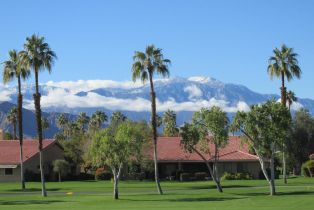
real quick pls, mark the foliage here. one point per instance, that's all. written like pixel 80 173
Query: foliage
pixel 236 176
pixel 61 166
pixel 170 124
pixel 12 119
pixel 264 128
pixel 308 168
pixel 96 121
pixel 300 143
pixel 102 174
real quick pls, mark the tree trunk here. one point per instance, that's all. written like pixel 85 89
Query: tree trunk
pixel 283 90
pixel 20 121
pixel 116 177
pixel 40 135
pixel 219 188
pixel 272 171
pixel 154 127
pixel 284 167
pixel 59 176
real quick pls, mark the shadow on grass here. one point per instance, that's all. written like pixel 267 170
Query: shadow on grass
pixel 34 190
pixel 277 194
pixel 187 199
pixel 29 202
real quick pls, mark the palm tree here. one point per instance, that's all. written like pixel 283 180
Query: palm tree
pixel 170 125
pixel 38 56
pixel 145 65
pixel 291 98
pixel 44 125
pixel 117 117
pixel 284 65
pixel 12 118
pixel 15 69
pixel 96 121
pixel 82 120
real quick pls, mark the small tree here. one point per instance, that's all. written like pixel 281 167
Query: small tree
pixel 208 126
pixel 264 128
pixel 61 167
pixel 116 145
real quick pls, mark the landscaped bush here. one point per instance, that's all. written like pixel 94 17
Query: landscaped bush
pixel 102 174
pixel 236 176
pixel 185 177
pixel 200 176
pixel 308 168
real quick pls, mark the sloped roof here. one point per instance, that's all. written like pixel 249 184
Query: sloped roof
pixel 10 150
pixel 169 149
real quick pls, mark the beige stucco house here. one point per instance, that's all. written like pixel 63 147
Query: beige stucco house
pixel 10 159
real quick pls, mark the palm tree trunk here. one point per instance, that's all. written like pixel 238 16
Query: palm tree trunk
pixel 283 102
pixel 154 127
pixel 40 135
pixel 20 119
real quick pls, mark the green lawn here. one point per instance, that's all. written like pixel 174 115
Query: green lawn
pixel 298 194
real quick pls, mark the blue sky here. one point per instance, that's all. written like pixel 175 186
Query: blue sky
pixel 228 40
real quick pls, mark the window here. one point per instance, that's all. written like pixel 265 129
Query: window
pixel 8 171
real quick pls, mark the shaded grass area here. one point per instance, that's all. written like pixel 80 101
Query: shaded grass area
pixel 246 194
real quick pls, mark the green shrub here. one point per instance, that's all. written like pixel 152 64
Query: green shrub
pixel 236 176
pixel 200 176
pixel 185 177
pixel 308 168
pixel 102 174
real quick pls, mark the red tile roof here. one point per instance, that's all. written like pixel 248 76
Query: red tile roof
pixel 169 149
pixel 10 150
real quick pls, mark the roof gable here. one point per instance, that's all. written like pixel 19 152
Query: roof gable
pixel 10 150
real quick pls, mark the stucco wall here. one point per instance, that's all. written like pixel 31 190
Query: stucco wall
pixel 50 154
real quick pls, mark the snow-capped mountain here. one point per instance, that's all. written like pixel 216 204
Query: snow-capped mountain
pixel 183 95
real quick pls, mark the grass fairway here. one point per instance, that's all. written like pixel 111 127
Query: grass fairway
pixel 242 195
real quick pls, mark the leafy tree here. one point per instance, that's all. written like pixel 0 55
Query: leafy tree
pixel 82 120
pixel 301 140
pixel 12 118
pixel 38 56
pixel 170 125
pixel 291 98
pixel 116 146
pixel 208 126
pixel 61 167
pixel 14 68
pixel 73 151
pixel 264 128
pixel 145 65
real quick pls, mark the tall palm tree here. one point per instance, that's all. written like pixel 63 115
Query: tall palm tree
pixel 291 98
pixel 38 56
pixel 170 126
pixel 82 120
pixel 12 118
pixel 145 65
pixel 96 121
pixel 284 64
pixel 14 68
pixel 117 117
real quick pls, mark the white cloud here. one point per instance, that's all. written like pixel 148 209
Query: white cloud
pixel 193 91
pixel 58 97
pixel 87 85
